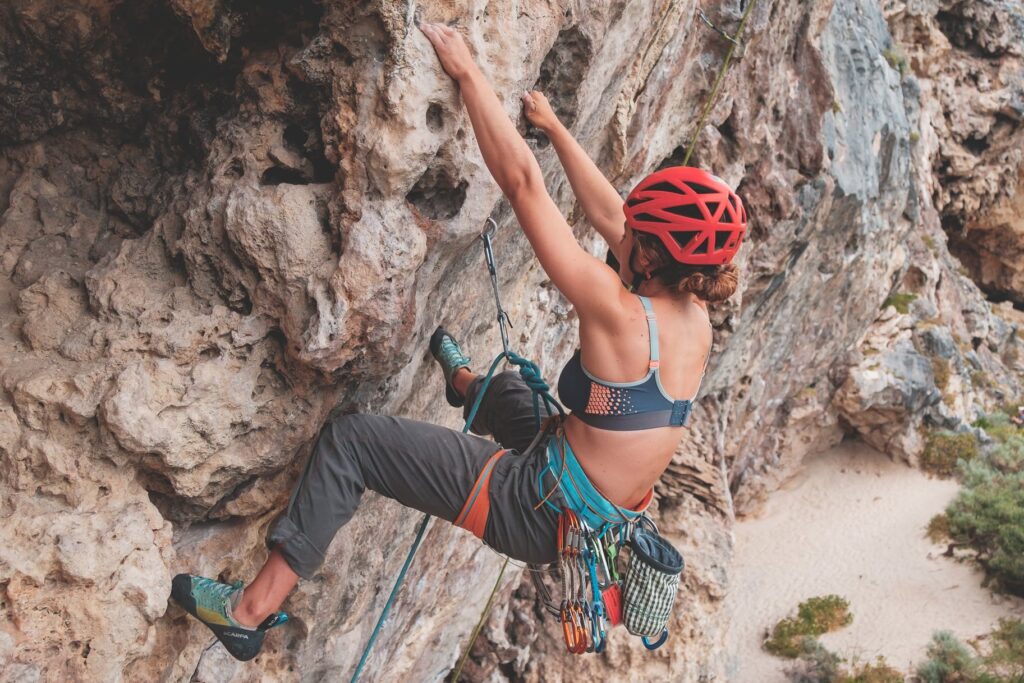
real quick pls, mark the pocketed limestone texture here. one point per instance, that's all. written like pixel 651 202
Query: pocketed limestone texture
pixel 222 221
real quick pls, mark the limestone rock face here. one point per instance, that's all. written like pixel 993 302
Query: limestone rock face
pixel 220 222
pixel 969 60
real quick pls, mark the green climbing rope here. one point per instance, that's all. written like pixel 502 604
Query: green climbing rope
pixel 479 624
pixel 709 103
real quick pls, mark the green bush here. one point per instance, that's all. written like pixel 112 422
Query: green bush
pixel 1007 656
pixel 878 671
pixel 1008 456
pixel 949 661
pixel 900 301
pixel 897 59
pixel 942 451
pixel 938 529
pixel 814 616
pixel 816 664
pixel 941 371
pixel 988 515
pixel 998 426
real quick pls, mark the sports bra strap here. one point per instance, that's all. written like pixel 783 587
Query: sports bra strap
pixel 652 332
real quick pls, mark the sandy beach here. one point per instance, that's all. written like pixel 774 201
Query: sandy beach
pixel 852 523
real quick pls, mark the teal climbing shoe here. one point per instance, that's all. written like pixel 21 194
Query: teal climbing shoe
pixel 208 600
pixel 449 356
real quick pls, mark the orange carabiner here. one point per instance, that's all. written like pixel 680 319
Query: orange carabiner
pixel 570 630
pixel 579 629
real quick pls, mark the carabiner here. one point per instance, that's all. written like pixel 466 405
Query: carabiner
pixel 570 632
pixel 661 641
pixel 582 633
pixel 503 318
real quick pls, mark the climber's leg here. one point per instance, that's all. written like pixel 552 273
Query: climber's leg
pixel 267 591
pixel 506 410
pixel 420 465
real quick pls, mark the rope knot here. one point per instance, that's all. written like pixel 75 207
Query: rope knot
pixel 530 373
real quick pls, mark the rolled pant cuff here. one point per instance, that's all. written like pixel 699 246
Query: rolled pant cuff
pixel 298 551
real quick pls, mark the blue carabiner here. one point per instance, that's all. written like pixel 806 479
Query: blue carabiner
pixel 659 643
pixel 599 636
pixel 597 629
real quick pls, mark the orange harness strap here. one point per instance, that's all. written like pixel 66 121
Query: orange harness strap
pixel 477 507
pixel 645 503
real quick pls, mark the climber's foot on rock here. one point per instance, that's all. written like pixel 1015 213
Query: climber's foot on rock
pixel 211 602
pixel 449 356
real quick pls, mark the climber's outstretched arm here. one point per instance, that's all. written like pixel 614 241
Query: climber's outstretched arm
pixel 592 287
pixel 600 201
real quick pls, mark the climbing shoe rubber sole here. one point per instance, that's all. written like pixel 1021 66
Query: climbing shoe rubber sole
pixel 455 400
pixel 241 643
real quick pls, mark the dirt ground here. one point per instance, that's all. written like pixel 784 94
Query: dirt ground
pixel 852 523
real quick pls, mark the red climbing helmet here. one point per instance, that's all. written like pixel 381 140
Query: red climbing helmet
pixel 699 219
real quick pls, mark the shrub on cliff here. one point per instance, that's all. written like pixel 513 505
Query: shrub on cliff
pixel 814 617
pixel 942 451
pixel 997 426
pixel 900 301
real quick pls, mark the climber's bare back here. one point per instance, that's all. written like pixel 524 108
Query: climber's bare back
pixel 625 464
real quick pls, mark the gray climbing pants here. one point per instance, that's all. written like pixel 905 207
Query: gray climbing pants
pixel 462 478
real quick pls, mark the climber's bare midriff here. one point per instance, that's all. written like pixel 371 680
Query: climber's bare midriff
pixel 624 465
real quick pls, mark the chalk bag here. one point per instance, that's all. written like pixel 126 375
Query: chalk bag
pixel 652 581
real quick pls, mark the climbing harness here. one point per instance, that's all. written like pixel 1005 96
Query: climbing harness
pixel 734 42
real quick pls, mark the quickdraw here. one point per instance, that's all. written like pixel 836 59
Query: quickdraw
pixel 590 584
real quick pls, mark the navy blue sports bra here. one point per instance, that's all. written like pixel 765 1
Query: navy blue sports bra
pixel 624 406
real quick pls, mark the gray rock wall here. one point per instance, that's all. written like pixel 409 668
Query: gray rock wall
pixel 220 222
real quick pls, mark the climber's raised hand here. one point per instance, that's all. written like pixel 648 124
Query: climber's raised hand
pixel 538 110
pixel 451 49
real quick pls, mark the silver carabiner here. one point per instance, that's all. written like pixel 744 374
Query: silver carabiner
pixel 503 318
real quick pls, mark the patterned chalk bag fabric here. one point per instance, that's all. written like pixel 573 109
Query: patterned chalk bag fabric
pixel 652 581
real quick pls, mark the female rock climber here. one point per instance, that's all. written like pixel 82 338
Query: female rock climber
pixel 674 239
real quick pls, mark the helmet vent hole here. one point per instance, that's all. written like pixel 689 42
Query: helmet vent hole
pixel 712 208
pixel 633 202
pixel 722 238
pixel 664 187
pixel 687 211
pixel 701 248
pixel 648 218
pixel 701 189
pixel 684 237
